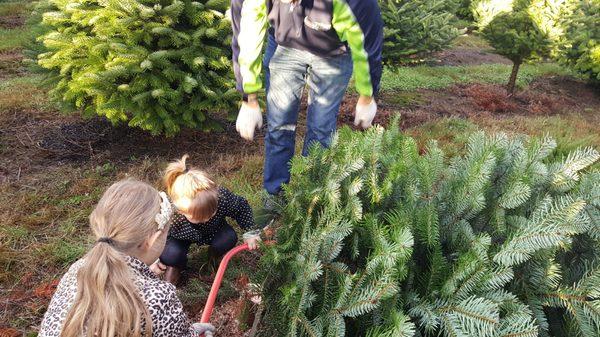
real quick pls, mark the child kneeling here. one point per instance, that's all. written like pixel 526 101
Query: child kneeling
pixel 202 208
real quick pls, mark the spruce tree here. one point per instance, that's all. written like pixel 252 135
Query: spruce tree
pixel 157 65
pixel 414 28
pixel 580 44
pixel 484 11
pixel 380 238
pixel 517 37
pixel 465 10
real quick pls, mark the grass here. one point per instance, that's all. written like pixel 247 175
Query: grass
pixel 403 98
pixel 43 229
pixel 23 93
pixel 428 77
pixel 10 8
pixel 451 134
pixel 247 180
pixel 569 131
pixel 470 41
pixel 13 38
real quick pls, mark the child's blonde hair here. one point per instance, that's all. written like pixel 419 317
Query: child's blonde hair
pixel 108 303
pixel 191 190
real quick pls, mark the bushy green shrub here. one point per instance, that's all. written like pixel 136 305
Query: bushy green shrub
pixel 414 28
pixel 517 37
pixel 580 47
pixel 157 65
pixel 381 238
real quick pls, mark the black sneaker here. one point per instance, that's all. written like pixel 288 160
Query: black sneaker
pixel 272 208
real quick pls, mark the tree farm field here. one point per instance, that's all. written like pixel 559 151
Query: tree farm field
pixel 55 166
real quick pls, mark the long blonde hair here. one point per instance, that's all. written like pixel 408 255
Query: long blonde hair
pixel 191 190
pixel 108 304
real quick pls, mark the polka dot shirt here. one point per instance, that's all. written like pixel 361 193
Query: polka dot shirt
pixel 229 205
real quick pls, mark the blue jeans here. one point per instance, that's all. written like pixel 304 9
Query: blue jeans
pixel 269 52
pixel 289 71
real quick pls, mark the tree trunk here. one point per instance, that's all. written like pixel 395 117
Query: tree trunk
pixel 513 78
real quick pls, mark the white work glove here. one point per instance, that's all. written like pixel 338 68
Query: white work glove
pixel 203 328
pixel 365 113
pixel 252 238
pixel 249 119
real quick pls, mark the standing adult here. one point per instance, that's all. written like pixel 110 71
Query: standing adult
pixel 314 43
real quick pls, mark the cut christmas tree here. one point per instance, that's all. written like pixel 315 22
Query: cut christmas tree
pixel 381 238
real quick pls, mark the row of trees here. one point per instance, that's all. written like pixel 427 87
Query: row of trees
pixel 565 30
pixel 380 240
pixel 163 65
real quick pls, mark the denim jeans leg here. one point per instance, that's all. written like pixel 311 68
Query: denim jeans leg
pixel 269 52
pixel 328 81
pixel 288 68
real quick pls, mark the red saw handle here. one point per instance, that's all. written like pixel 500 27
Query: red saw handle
pixel 214 290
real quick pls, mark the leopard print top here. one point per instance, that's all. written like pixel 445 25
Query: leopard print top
pixel 168 317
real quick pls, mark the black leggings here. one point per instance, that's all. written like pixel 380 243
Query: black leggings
pixel 176 251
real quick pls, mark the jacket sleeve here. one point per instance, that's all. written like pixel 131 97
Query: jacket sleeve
pixel 359 23
pixel 237 208
pixel 249 23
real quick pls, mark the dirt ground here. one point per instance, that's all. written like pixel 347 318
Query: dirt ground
pixel 12 21
pixel 10 64
pixel 546 96
pixel 35 140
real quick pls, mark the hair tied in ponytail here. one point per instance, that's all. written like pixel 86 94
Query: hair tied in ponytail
pixel 106 240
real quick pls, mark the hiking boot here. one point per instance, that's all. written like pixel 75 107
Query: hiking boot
pixel 172 275
pixel 273 205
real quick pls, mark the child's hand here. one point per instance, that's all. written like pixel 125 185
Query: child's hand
pixel 158 268
pixel 252 238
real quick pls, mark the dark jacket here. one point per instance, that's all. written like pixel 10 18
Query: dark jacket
pixel 229 206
